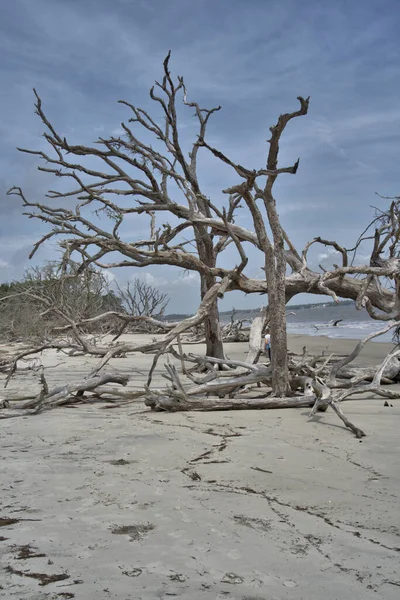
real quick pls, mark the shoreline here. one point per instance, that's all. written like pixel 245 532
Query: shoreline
pixel 344 333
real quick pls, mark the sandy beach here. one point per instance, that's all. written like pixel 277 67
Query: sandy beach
pixel 127 504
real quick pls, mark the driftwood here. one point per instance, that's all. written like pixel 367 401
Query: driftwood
pixel 65 394
pixel 236 330
pixel 332 323
pixel 312 375
pixel 176 402
pixel 316 381
pixel 177 398
pixel 255 339
pixel 356 351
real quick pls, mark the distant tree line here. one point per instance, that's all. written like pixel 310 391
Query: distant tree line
pixel 56 294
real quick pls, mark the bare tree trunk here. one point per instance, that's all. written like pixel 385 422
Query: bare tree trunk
pixel 279 357
pixel 277 314
pixel 276 271
pixel 275 259
pixel 214 345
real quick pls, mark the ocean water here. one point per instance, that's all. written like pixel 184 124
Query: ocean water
pixel 318 320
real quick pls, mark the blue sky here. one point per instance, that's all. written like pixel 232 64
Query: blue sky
pixel 254 57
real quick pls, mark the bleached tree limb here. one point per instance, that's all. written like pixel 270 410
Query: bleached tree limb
pixel 49 398
pixel 357 349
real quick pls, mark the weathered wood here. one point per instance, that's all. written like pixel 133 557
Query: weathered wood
pixel 375 385
pixel 359 432
pixel 175 402
pixel 357 349
pixel 315 393
pixel 49 398
pixel 255 339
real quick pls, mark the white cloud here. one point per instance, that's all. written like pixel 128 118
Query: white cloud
pixel 149 279
pixel 178 279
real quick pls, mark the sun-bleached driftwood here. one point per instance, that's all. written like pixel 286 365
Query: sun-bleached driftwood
pixel 357 349
pixel 50 398
pixel 176 397
pixel 235 330
pixel 310 374
pixel 175 402
pixel 235 389
pixel 375 385
pixel 126 319
pixel 255 338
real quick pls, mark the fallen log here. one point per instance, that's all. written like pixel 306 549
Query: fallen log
pixel 177 398
pixel 175 401
pixel 49 398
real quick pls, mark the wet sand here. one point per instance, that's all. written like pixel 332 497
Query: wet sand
pixel 127 504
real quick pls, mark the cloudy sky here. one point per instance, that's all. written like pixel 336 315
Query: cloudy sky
pixel 254 57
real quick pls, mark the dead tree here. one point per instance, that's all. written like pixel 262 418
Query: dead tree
pixel 142 299
pixel 150 177
pixel 136 178
pixel 273 249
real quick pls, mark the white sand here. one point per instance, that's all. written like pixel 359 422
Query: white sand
pixel 319 520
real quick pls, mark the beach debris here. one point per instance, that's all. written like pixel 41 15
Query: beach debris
pixel 290 584
pixel 135 532
pixel 319 382
pixel 177 577
pixel 232 578
pixel 135 572
pixel 194 476
pixel 43 578
pixel 332 323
